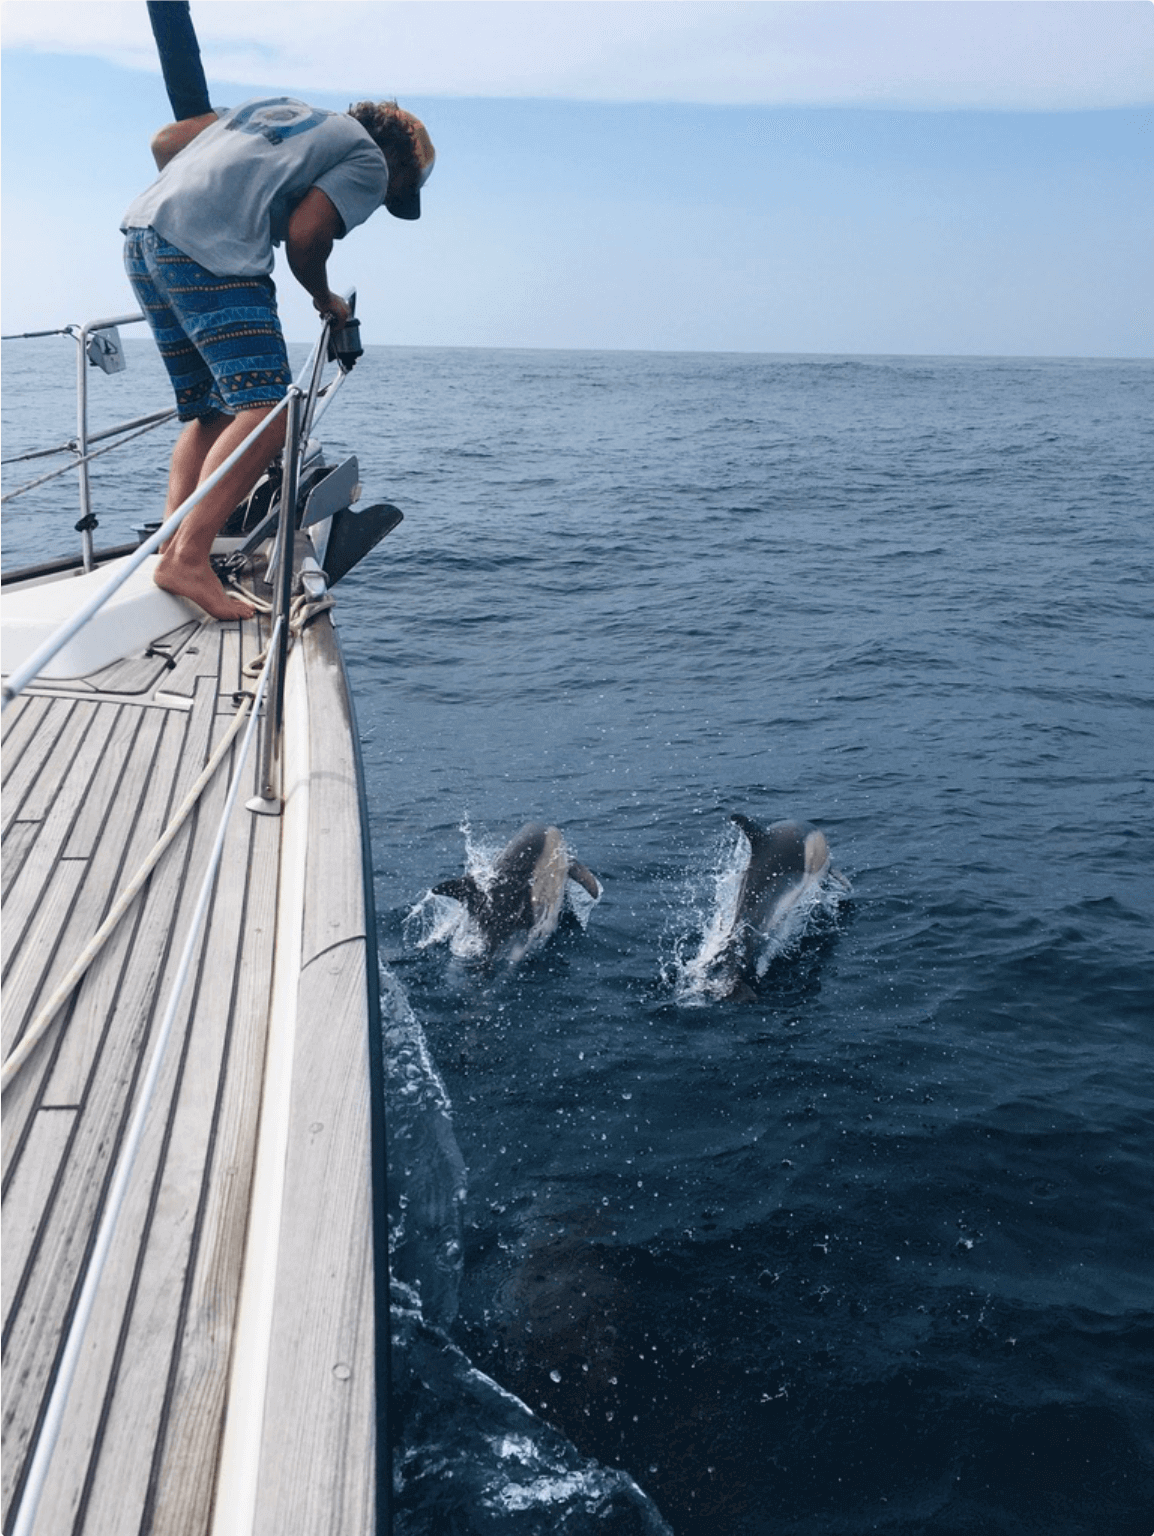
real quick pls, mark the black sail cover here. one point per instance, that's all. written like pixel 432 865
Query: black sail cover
pixel 179 58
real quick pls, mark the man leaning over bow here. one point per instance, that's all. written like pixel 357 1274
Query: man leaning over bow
pixel 199 251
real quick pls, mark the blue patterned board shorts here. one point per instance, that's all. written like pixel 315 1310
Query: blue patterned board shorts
pixel 220 337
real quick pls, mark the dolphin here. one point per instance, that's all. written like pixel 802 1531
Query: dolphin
pixel 521 905
pixel 787 860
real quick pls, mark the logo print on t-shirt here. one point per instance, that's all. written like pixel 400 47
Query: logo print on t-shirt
pixel 276 119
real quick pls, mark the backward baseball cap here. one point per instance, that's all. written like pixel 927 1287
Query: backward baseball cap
pixel 406 204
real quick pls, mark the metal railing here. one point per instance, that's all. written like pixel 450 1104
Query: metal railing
pixel 280 575
pixel 310 392
pixel 98 343
pixel 56 642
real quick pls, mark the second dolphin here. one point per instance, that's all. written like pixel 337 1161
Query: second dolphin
pixel 785 874
pixel 521 904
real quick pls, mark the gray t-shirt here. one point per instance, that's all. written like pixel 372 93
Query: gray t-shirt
pixel 225 199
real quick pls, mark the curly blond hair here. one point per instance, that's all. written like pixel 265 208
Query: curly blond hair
pixel 393 132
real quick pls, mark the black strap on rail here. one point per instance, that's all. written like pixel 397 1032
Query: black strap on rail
pixel 179 58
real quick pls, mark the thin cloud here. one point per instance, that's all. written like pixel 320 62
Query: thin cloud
pixel 1008 54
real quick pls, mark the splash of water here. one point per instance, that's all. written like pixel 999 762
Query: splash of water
pixel 443 920
pixel 698 972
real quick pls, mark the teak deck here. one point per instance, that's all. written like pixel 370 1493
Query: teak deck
pixel 226 1382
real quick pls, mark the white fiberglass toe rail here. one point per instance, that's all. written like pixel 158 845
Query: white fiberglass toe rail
pixel 308 387
pixel 22 676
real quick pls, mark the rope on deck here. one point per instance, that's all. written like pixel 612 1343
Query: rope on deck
pixel 303 611
pixel 66 1369
pixel 39 1026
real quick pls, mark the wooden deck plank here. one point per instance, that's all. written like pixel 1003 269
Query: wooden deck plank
pixel 22 1205
pixel 134 674
pixel 10 717
pixel 53 1270
pixel 58 725
pixel 185 749
pixel 118 1400
pixel 253 641
pixel 119 856
pixel 51 1084
pixel 231 641
pixel 23 981
pixel 318 1459
pixel 46 957
pixel 199 658
pixel 88 721
pixel 56 800
pixel 56 1262
pixel 110 793
pixel 69 1047
pixel 186 1466
pixel 143 1425
pixel 141 673
pixel 202 724
pixel 18 838
pixel 21 721
pixel 159 905
pixel 22 1097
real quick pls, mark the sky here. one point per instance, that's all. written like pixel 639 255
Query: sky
pixel 827 176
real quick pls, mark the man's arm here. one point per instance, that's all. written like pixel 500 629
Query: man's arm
pixel 168 142
pixel 312 227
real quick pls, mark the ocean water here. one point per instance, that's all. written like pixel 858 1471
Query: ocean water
pixel 872 1249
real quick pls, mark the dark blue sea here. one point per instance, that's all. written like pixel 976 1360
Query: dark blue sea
pixel 870 1250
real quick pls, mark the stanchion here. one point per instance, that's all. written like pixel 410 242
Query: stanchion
pixel 269 801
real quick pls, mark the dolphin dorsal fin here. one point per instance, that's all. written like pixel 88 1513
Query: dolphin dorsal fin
pixel 751 829
pixel 786 846
pixel 586 878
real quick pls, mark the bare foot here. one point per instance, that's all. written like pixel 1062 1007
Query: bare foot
pixel 200 583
